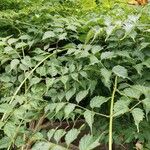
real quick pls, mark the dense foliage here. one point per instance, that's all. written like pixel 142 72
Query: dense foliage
pixel 67 61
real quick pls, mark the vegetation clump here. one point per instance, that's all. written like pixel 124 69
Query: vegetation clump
pixel 74 75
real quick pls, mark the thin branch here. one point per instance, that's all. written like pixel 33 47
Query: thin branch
pixel 135 105
pixel 99 114
pixel 111 114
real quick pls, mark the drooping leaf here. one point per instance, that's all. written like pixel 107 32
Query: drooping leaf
pixel 8 49
pixel 59 107
pixel 88 142
pixel 123 54
pixel 138 116
pixel 92 86
pixel 37 136
pixel 106 74
pixel 71 136
pixel 81 95
pixel 146 104
pixel 89 118
pixel 70 93
pixel 74 76
pixel 64 79
pixel 96 49
pixel 146 62
pixel 93 60
pixel 72 68
pixel 12 41
pixel 5 108
pixel 142 89
pixel 50 134
pixel 48 34
pixel 14 63
pixel 59 134
pixel 89 36
pixel 139 68
pixel 84 74
pixel 20 45
pixel 62 36
pixel 61 95
pixel 121 106
pixel 19 141
pixel 4 142
pixel 143 45
pixel 120 71
pixel 49 82
pixel 41 145
pixel 68 109
pixel 19 113
pixel 131 92
pixel 97 101
pixel 41 71
pixel 10 129
pixel 107 55
pixel 34 81
pixel 129 24
pixel 53 71
pixel 27 61
pixel 109 31
pixel 50 108
pixel 84 54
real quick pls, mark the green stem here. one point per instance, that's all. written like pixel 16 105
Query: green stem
pixel 111 115
pixel 99 114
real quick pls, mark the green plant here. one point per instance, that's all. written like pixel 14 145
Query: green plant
pixel 63 65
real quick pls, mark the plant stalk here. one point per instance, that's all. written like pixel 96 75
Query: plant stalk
pixel 111 115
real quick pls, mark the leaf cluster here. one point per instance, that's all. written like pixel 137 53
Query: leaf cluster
pixel 59 64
